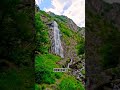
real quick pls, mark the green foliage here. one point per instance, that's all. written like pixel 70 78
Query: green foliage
pixel 45 62
pixel 109 37
pixel 81 46
pixel 16 33
pixel 39 87
pixel 65 30
pixel 44 13
pixel 83 72
pixel 110 56
pixel 42 36
pixel 36 87
pixel 16 46
pixel 44 65
pixel 13 83
pixel 111 45
pixel 14 79
pixel 60 18
pixel 69 83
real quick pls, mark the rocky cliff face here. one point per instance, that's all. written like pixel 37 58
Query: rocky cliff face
pixel 69 21
pixel 55 37
pixel 100 35
pixel 72 25
pixel 110 12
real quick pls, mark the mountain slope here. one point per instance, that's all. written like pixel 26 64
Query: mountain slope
pixel 71 41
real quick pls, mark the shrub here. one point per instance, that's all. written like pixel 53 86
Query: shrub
pixel 42 36
pixel 69 83
pixel 81 47
pixel 44 65
pixel 65 30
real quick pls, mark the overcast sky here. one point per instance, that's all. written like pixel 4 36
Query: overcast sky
pixel 74 9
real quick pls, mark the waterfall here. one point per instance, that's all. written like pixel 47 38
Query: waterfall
pixel 58 49
pixel 55 35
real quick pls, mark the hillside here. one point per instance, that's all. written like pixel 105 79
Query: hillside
pixel 60 43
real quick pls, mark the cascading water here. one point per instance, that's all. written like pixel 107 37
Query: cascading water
pixel 58 49
pixel 55 35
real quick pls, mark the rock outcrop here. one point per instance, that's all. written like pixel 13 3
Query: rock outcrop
pixel 69 21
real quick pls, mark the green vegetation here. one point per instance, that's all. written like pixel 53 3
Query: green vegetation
pixel 12 76
pixel 111 45
pixel 45 61
pixel 69 83
pixel 81 46
pixel 83 72
pixel 109 36
pixel 16 46
pixel 44 65
pixel 65 30
pixel 42 37
pixel 39 87
pixel 60 18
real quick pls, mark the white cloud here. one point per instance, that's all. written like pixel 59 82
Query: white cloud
pixel 38 2
pixel 77 12
pixel 58 6
pixel 74 9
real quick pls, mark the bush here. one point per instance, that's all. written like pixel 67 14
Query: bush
pixel 65 30
pixel 69 83
pixel 39 87
pixel 81 47
pixel 44 65
pixel 42 36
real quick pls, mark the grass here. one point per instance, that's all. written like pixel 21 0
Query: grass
pixel 65 30
pixel 70 83
pixel 44 65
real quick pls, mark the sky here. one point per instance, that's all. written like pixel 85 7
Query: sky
pixel 74 9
